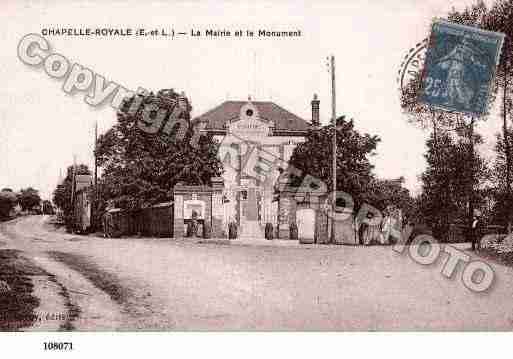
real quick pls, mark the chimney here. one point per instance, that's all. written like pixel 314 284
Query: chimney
pixel 182 101
pixel 315 111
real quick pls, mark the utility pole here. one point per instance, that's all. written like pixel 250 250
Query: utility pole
pixel 255 75
pixel 73 181
pixel 94 215
pixel 472 179
pixel 334 123
pixel 507 147
pixel 73 189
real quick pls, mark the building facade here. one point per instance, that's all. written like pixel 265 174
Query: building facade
pixel 256 137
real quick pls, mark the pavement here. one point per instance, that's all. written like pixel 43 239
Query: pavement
pixel 166 284
pixel 254 242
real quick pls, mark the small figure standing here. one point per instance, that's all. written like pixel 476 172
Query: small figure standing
pixel 194 224
pixel 476 232
pixel 360 229
pixel 107 221
pixel 386 225
pixel 106 224
pixel 370 232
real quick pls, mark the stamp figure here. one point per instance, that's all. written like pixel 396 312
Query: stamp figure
pixel 460 66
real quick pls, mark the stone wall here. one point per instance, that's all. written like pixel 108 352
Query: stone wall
pixel 293 199
pixel 206 200
pixel 290 201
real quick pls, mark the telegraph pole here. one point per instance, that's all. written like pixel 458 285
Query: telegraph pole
pixel 334 123
pixel 94 216
pixel 472 180
pixel 73 180
pixel 73 189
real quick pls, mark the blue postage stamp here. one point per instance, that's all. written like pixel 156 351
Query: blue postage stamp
pixel 460 67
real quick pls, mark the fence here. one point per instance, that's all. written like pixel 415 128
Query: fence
pixel 458 232
pixel 156 221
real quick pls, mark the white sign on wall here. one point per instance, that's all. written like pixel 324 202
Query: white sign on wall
pixel 193 205
pixel 249 128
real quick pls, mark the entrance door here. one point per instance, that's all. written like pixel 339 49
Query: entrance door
pixel 249 223
pixel 250 205
pixel 306 224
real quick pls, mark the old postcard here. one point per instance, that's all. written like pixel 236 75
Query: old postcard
pixel 340 166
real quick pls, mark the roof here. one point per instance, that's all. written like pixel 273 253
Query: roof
pixel 228 111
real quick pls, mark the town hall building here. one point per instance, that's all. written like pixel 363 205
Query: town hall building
pixel 251 134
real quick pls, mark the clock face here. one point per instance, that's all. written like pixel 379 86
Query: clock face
pixel 248 110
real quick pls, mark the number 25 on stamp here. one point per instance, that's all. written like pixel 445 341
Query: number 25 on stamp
pixel 460 65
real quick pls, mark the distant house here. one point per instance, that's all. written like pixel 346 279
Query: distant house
pixel 82 203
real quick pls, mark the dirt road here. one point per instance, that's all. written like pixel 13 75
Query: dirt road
pixel 166 284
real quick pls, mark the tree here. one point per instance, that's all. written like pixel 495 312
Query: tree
pixel 439 121
pixel 141 168
pixel 501 211
pixel 474 15
pixel 8 200
pixel 436 179
pixel 382 193
pixel 354 170
pixel 445 182
pixel 48 207
pixel 29 198
pixel 498 18
pixel 427 117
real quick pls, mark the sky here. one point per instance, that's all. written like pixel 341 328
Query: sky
pixel 42 127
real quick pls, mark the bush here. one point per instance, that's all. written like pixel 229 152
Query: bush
pixel 7 202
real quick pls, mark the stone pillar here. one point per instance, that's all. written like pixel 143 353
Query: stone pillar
pixel 292 210
pixel 217 215
pixel 206 198
pixel 217 208
pixel 344 228
pixel 178 223
pixel 321 227
pixel 284 217
pixel 267 206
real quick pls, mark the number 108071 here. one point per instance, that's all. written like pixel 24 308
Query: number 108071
pixel 58 346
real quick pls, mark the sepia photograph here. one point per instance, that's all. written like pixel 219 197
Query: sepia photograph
pixel 268 168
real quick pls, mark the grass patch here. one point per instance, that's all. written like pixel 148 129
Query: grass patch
pixel 17 304
pixel 73 310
